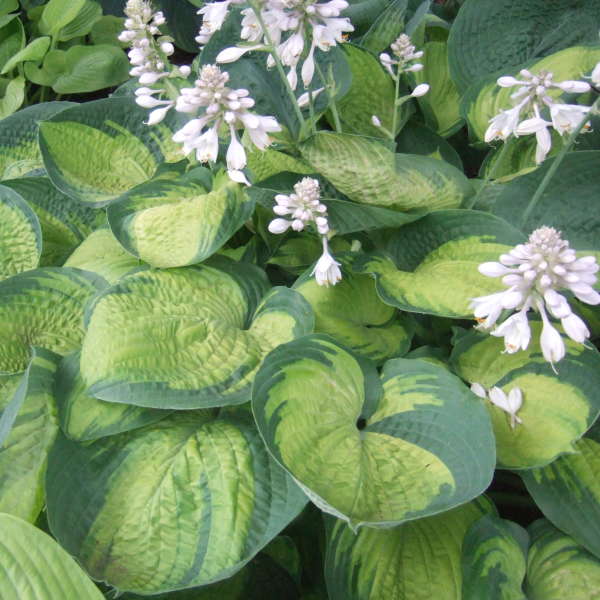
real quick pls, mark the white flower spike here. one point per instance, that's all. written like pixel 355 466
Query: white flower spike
pixel 534 273
pixel 224 107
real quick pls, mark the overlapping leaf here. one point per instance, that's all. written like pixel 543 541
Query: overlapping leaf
pixel 42 307
pixel 96 151
pixel 556 411
pixel 189 337
pixel 366 171
pixel 417 560
pixel 172 223
pixel 185 502
pixel 35 566
pixel 431 264
pixel 370 452
pixel 20 235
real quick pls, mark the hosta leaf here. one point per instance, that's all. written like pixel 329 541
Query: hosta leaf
pixel 569 203
pixel 568 493
pixel 441 104
pixel 64 221
pixel 83 417
pixel 558 567
pixel 556 411
pixel 24 451
pixel 366 171
pixel 20 235
pixel 352 313
pixel 421 446
pixel 266 163
pixel 386 28
pixel 371 93
pixel 417 561
pixel 187 338
pixel 96 151
pixel 494 560
pixel 486 99
pixel 101 253
pixel 201 489
pixel 19 149
pixel 172 223
pixel 42 307
pixel 431 264
pixel 489 35
pixel 35 567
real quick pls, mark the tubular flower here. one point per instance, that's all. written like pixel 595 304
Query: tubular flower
pixel 534 273
pixel 223 107
pixel 327 270
pixel 510 403
pixel 291 25
pixel 530 99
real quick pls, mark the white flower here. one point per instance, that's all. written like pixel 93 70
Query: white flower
pixel 304 99
pixel 213 17
pixel 567 117
pixel 302 207
pixel 420 90
pixel 534 273
pixel 510 404
pixel 479 390
pixel 530 99
pixel 327 270
pixel 222 106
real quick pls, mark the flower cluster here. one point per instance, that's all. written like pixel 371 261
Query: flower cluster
pixel 289 25
pixel 222 107
pixel 405 59
pixel 147 54
pixel 531 100
pixel 304 207
pixel 510 403
pixel 534 273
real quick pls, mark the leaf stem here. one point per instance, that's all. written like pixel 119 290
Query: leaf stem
pixel 555 164
pixel 332 105
pixel 471 202
pixel 278 64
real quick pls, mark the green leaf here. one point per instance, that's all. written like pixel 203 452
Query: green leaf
pixel 59 13
pixel 84 21
pixel 494 560
pixel 172 223
pixel 441 104
pixel 568 204
pixel 32 430
pixel 13 97
pixel 366 171
pixel 44 308
pixel 266 163
pixel 125 151
pixel 101 253
pixel 489 35
pixel 36 567
pixel 9 6
pixel 167 339
pixel 352 313
pixel 558 567
pixel 83 417
pixel 371 93
pixel 106 29
pixel 201 488
pixel 556 411
pixel 568 493
pixel 416 561
pixel 355 444
pixel 64 222
pixel 431 264
pixel 19 150
pixel 12 38
pixel 35 50
pixel 386 28
pixel 20 235
pixel 485 99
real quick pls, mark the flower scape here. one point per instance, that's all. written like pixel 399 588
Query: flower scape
pixel 299 300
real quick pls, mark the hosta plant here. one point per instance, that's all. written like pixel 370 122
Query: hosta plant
pixel 307 308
